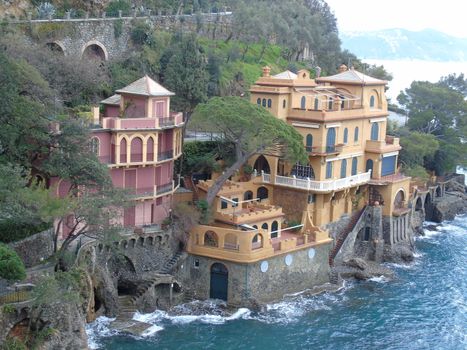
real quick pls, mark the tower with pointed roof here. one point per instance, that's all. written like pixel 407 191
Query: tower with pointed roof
pixel 139 138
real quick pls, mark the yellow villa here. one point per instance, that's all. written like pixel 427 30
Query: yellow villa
pixel 279 229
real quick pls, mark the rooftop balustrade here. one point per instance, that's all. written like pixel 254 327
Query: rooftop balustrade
pixel 248 246
pixel 175 119
pixel 390 144
pixel 248 213
pixel 319 186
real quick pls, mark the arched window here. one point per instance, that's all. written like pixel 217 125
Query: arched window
pixel 136 150
pixel 269 103
pixel 372 101
pixel 309 142
pixel 95 146
pixel 355 134
pixel 342 102
pixel 346 135
pixel 150 150
pixel 264 102
pixel 123 151
pixel 354 165
pixel 210 239
pixel 303 102
pixel 374 131
pixel 262 164
pixel 284 103
pixel 331 140
pixel 328 170
pixel 274 229
pixel 262 193
pixel 258 101
pixel 343 168
pixel 265 226
pixel 316 103
pixel 248 195
pixel 330 103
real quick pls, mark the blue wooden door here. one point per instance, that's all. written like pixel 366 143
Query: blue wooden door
pixel 331 140
pixel 219 282
pixel 389 166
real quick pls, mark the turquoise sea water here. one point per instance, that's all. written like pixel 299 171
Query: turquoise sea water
pixel 425 307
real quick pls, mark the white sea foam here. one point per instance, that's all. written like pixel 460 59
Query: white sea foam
pixel 99 329
pixel 380 279
pixel 151 331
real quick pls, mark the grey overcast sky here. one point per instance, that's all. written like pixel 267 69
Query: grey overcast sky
pixel 448 16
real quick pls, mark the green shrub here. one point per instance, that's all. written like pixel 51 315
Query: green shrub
pixel 140 33
pixel 13 344
pixel 11 231
pixel 11 266
pixel 118 5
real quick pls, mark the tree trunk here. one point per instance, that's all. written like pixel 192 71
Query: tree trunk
pixel 219 182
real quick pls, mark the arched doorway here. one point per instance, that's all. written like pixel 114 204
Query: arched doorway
pixel 438 191
pixel 219 282
pixel 303 171
pixel 274 229
pixel 399 200
pixel 56 48
pixel 94 51
pixel 262 164
pixel 331 140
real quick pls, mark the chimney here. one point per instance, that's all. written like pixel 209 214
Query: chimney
pixel 95 115
pixel 266 71
pixel 342 68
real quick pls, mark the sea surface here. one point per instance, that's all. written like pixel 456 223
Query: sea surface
pixel 424 307
pixel 406 71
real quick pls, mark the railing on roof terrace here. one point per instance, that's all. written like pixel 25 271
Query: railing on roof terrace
pixel 322 186
pixel 142 123
pixel 160 189
pixel 165 155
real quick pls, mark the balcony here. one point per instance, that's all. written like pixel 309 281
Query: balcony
pixel 227 243
pixel 390 144
pixel 324 150
pixel 175 119
pixel 249 213
pixel 161 189
pixel 161 156
pixel 151 192
pixel 327 116
pixel 320 186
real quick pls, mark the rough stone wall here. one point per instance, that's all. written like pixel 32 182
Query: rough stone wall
pixel 293 203
pixel 248 285
pixel 336 228
pixel 75 35
pixel 35 249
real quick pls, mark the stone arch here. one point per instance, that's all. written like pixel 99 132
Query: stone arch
pixel 132 243
pixel 123 150
pixel 124 244
pixel 141 241
pixel 211 239
pixel 150 144
pixel 419 204
pixel 428 207
pixel 159 239
pixel 231 241
pixel 438 191
pixel 94 50
pixel 262 193
pixel 150 240
pixel 274 229
pixel 56 47
pixel 262 164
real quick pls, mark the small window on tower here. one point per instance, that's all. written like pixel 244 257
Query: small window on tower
pixel 284 103
pixel 196 264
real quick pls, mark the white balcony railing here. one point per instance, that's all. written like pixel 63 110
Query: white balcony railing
pixel 319 186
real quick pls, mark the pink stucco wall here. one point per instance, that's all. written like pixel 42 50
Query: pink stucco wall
pixel 104 145
pixel 145 177
pixel 135 106
pixel 111 111
pixel 117 177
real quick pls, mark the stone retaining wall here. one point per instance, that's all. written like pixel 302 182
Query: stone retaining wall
pixel 35 249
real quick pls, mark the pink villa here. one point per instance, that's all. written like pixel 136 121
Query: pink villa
pixel 139 139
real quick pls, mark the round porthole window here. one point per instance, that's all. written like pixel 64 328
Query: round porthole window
pixel 311 253
pixel 264 266
pixel 288 259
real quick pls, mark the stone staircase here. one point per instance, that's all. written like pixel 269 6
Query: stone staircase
pixel 343 236
pixel 169 265
pixel 188 295
pixel 124 321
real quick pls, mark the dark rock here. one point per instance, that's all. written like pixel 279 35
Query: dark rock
pixel 357 263
pixel 449 206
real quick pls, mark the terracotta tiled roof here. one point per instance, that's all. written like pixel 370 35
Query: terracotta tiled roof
pixel 286 75
pixel 352 76
pixel 146 87
pixel 112 100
